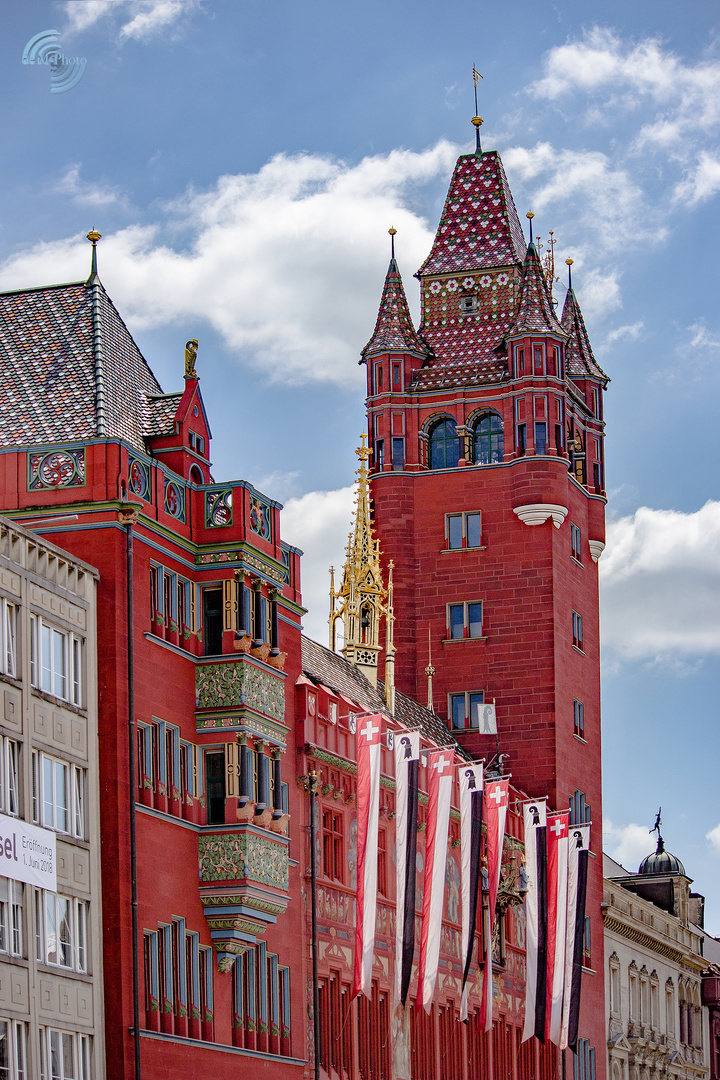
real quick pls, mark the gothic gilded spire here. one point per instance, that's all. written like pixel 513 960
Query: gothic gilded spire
pixel 362 599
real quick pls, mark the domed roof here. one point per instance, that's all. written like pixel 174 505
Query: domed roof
pixel 661 862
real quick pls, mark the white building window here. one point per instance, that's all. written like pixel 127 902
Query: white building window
pixel 11 919
pixel 61 931
pixel 64 1055
pixel 9 777
pixel 58 795
pixel 13 1050
pixel 56 661
pixel 8 640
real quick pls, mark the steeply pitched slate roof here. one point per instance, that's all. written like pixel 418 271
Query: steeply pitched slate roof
pixel 53 358
pixel 394 330
pixel 333 671
pixel 579 359
pixel 479 226
pixel 535 312
pixel 467 358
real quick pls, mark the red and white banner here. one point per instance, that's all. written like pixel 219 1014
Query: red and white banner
pixel 471 796
pixel 440 768
pixel 369 750
pixel 557 891
pixel 407 759
pixel 496 798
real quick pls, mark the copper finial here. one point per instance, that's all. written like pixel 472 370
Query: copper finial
pixel 392 233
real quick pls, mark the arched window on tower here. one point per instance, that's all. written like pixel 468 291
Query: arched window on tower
pixel 444 445
pixel 488 439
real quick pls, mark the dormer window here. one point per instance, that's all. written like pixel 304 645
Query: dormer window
pixel 468 304
pixel 197 442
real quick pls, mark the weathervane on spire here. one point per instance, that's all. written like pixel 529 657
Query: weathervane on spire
pixel 658 822
pixel 530 217
pixel 392 231
pixel 476 120
pixel 568 263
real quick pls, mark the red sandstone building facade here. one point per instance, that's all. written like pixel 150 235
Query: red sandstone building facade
pixel 486 427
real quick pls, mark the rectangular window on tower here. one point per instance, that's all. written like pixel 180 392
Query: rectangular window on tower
pixel 379 454
pixel 398 454
pixel 541 438
pixel 397 375
pixel 521 439
pixel 577 631
pixel 379 380
pixel 464 710
pixel 519 361
pixel 463 531
pixel 333 844
pixel 538 360
pixel 579 719
pixel 464 621
pixel 576 543
pixel 579 809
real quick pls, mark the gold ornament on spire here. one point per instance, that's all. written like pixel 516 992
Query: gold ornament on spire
pixel 362 599
pixel 191 348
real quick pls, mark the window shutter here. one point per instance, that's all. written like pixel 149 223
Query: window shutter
pixel 232 770
pixel 229 604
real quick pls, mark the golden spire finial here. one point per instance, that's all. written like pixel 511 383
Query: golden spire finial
pixel 93 236
pixel 393 233
pixel 568 263
pixel 360 600
pixel 476 120
pixel 530 217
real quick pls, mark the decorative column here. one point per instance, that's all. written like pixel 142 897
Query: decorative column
pixel 274 636
pixel 257 604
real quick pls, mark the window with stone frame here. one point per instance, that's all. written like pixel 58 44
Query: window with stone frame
pixel 443 444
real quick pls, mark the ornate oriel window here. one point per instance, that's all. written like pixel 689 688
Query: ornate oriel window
pixel 488 439
pixel 444 445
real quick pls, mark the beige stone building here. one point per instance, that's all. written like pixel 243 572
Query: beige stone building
pixel 657 1026
pixel 51 983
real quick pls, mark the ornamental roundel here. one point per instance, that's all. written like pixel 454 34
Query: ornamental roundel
pixel 502 279
pixel 218 508
pixel 485 280
pixel 468 282
pixel 139 478
pixel 175 500
pixel 260 518
pixel 435 286
pixel 57 469
pixel 452 286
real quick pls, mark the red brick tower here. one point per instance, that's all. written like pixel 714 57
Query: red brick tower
pixel 487 432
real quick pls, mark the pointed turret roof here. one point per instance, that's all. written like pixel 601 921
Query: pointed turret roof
pixel 394 330
pixel 579 359
pixel 479 226
pixel 535 312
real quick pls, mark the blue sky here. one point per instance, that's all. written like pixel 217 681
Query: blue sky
pixel 244 162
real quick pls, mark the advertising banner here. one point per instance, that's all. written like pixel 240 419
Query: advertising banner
pixel 27 853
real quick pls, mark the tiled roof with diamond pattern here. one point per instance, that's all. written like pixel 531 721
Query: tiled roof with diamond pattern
pixel 394 330
pixel 535 312
pixel 479 226
pixel 579 359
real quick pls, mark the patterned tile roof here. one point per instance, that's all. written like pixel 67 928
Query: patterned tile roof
pixel 479 226
pixel 394 330
pixel 160 413
pixel 579 357
pixel 535 312
pixel 334 671
pixel 70 369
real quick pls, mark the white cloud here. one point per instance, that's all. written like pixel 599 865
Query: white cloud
pixel 714 837
pixel 701 183
pixel 145 18
pixel 630 332
pixel 628 75
pixel 319 523
pixel 627 844
pixel 660 587
pixel 286 263
pixel 594 198
pixel 70 183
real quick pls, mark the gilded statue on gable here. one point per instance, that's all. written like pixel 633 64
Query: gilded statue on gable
pixel 191 348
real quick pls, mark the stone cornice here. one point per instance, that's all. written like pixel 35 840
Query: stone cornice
pixel 647 941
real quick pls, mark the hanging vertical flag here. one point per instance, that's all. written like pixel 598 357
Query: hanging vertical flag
pixel 535 821
pixel 471 793
pixel 407 761
pixel 496 797
pixel 557 895
pixel 578 850
pixel 368 813
pixel 440 769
